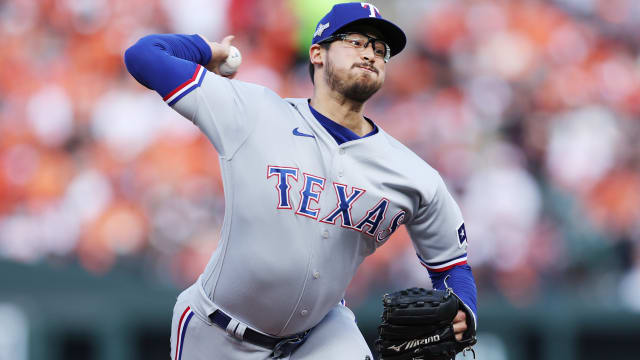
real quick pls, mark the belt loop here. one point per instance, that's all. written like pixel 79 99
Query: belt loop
pixel 239 333
pixel 208 307
pixel 231 328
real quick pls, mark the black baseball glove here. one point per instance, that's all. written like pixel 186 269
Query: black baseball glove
pixel 417 324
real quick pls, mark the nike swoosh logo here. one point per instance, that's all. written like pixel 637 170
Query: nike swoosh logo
pixel 298 133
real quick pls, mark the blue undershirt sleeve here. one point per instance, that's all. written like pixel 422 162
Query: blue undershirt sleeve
pixel 168 63
pixel 462 283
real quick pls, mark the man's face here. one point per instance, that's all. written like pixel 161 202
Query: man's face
pixel 355 73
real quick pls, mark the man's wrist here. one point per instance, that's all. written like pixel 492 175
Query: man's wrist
pixel 205 48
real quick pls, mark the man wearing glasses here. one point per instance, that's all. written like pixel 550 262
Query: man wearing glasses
pixel 312 187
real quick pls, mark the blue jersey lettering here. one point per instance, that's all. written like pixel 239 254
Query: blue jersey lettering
pixel 374 217
pixel 345 203
pixel 395 223
pixel 283 174
pixel 308 194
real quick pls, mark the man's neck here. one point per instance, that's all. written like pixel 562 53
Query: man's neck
pixel 345 112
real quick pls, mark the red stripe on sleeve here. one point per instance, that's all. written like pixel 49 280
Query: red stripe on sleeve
pixel 446 267
pixel 183 84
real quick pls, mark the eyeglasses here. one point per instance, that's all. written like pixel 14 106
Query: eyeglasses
pixel 360 41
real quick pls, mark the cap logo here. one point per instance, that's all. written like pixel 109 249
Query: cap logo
pixel 320 29
pixel 372 9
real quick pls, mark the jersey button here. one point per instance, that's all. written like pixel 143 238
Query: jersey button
pixel 340 173
pixel 325 234
pixel 341 151
pixel 316 274
pixel 304 312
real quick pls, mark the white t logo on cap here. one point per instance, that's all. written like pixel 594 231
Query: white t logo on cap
pixel 372 9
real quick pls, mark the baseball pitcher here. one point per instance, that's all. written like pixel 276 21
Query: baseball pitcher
pixel 312 187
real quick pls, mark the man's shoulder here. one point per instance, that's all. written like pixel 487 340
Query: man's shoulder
pixel 297 102
pixel 216 83
pixel 409 157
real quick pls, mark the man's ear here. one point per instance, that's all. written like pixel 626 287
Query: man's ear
pixel 315 55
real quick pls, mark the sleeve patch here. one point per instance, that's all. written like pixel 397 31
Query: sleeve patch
pixel 462 234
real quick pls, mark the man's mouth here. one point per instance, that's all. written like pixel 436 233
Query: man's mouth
pixel 369 68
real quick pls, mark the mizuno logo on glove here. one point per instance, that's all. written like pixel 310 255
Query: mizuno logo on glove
pixel 413 343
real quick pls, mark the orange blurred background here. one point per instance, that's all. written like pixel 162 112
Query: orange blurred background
pixel 529 110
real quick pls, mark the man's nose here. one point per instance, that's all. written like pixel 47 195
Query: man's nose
pixel 368 52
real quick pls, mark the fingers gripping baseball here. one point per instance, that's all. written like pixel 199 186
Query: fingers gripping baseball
pixel 220 54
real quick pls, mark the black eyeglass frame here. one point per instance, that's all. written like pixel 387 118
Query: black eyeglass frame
pixel 370 40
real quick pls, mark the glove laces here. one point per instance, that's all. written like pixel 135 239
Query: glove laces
pixel 464 351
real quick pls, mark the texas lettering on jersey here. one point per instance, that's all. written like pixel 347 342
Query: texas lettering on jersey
pixel 346 197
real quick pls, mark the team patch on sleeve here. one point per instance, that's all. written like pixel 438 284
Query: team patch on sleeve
pixel 443 265
pixel 186 87
pixel 462 235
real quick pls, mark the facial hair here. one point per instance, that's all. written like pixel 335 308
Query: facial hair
pixel 352 88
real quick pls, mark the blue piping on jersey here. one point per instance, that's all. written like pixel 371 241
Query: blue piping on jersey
pixel 340 133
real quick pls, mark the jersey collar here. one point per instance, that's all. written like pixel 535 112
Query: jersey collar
pixel 340 133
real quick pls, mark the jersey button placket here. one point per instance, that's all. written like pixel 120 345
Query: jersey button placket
pixel 340 172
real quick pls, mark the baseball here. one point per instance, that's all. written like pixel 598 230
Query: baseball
pixel 231 64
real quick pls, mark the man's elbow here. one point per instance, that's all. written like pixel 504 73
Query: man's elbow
pixel 139 58
pixel 134 59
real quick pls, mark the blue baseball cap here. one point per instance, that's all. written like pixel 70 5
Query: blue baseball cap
pixel 359 13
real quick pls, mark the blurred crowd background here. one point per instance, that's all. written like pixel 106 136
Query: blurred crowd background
pixel 529 109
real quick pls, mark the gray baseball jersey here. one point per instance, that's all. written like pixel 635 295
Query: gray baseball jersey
pixel 302 212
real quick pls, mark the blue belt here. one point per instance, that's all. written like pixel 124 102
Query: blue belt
pixel 280 346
